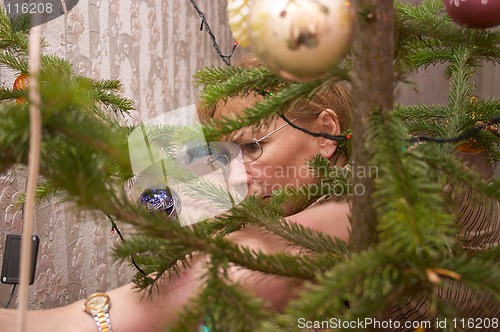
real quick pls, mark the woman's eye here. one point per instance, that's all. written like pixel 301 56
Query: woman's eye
pixel 250 147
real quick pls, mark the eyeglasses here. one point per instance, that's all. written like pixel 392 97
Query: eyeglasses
pixel 222 153
pixel 251 149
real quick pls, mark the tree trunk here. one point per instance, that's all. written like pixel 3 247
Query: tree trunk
pixel 372 84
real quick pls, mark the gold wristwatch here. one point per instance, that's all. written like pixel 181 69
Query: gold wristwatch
pixel 97 305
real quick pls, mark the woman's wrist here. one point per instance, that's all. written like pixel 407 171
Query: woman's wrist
pixel 6 318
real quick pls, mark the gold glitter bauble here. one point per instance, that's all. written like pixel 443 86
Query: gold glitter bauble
pixel 238 11
pixel 300 40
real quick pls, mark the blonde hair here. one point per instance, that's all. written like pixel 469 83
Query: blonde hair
pixel 334 96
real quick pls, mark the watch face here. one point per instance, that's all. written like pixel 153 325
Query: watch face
pixel 96 301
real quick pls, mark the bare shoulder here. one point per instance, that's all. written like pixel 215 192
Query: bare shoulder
pixel 330 217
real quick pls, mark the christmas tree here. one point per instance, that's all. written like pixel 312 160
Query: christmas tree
pixel 406 241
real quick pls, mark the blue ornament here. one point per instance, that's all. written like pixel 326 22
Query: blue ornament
pixel 163 199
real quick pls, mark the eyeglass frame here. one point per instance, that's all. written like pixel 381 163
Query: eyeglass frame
pixel 240 156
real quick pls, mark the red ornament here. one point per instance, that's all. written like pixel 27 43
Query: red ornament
pixel 474 13
pixel 21 83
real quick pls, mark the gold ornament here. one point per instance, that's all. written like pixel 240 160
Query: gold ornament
pixel 473 99
pixel 21 83
pixel 300 40
pixel 238 11
pixel 470 145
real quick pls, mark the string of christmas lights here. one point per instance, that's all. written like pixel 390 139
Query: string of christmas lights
pixel 204 24
pixel 489 125
pixel 339 138
pixel 114 228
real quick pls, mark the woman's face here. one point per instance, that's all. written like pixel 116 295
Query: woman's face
pixel 285 153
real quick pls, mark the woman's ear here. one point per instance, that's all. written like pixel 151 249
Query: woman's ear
pixel 328 122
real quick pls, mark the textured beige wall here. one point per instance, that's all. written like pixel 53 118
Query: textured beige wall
pixel 154 47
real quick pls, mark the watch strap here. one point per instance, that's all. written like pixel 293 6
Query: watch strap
pixel 97 305
pixel 101 318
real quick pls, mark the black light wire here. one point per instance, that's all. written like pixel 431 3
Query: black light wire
pixel 114 228
pixel 415 139
pixel 204 24
pixel 465 135
pixel 338 138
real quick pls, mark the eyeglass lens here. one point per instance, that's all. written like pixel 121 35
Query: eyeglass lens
pixel 222 153
pixel 220 162
pixel 250 150
pixel 245 152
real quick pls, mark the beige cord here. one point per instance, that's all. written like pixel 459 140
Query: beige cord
pixel 33 169
pixel 63 3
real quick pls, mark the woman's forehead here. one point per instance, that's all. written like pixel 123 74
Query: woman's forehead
pixel 236 106
pixel 254 131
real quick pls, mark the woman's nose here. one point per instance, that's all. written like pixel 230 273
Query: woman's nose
pixel 239 178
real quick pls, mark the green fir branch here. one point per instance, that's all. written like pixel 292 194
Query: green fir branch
pixel 409 202
pixel 489 145
pixel 10 95
pixel 278 264
pixel 12 60
pixel 457 172
pixel 481 274
pixel 372 274
pixel 45 191
pixel 223 83
pixel 270 107
pixel 274 264
pixel 425 29
pixel 421 112
pixel 14 33
pixel 253 212
pixel 228 305
pixel 156 257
